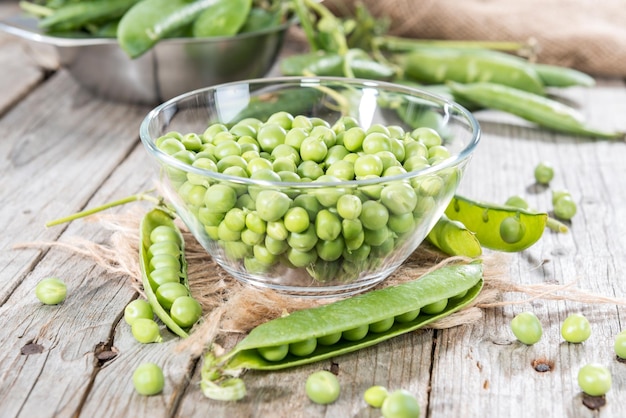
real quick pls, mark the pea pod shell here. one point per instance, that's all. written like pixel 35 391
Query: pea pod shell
pixel 151 220
pixel 149 21
pixel 72 16
pixel 224 18
pixel 356 311
pixel 453 238
pixel 557 76
pixel 484 220
pixel 541 110
pixel 439 65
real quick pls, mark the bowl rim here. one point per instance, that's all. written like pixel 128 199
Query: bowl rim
pixel 25 27
pixel 452 161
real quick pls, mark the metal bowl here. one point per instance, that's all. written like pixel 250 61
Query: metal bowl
pixel 172 67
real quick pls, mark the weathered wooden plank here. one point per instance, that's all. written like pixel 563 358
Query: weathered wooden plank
pixel 482 368
pixel 59 145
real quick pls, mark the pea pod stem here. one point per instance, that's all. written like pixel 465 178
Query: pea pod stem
pixel 35 9
pixel 88 212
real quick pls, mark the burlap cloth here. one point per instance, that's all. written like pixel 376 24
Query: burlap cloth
pixel 589 35
pixel 231 308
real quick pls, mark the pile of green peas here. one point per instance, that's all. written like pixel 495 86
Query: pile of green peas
pixel 334 232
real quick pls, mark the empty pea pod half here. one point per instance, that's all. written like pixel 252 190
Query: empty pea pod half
pixel 498 227
pixel 163 265
pixel 454 238
pixel 327 331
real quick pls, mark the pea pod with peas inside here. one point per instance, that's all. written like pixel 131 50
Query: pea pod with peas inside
pixel 164 272
pixel 498 227
pixel 541 110
pixel 453 238
pixel 439 65
pixel 327 331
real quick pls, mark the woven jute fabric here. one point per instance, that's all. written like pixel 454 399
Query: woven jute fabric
pixel 588 35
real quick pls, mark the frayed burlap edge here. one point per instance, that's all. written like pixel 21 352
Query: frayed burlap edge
pixel 232 307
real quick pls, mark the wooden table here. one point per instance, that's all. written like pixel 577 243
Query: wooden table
pixel 64 150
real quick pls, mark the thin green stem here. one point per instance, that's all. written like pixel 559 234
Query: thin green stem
pixel 88 212
pixel 399 44
pixel 556 225
pixel 35 9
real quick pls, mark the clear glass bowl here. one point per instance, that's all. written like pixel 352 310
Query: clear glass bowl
pixel 342 251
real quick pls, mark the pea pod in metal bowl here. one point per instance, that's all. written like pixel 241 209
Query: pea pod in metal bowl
pixel 327 331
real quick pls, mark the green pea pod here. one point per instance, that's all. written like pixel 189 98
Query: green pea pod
pixel 557 76
pixel 332 64
pixel 72 16
pixel 453 238
pixel 260 19
pixel 485 220
pixel 458 284
pixel 439 65
pixel 150 221
pixel 149 21
pixel 541 110
pixel 224 18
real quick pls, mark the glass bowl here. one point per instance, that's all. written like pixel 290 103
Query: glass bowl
pixel 310 186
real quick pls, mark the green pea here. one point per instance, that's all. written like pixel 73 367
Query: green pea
pixel 271 135
pixel 220 198
pixel 544 173
pixel 382 325
pixel 619 345
pixel 330 250
pixel 327 225
pixel 400 404
pixel 565 208
pixel 299 258
pixel 527 328
pixel 164 233
pixel 313 149
pixel 185 311
pixel 276 353
pixel 374 215
pixel 355 334
pixel 138 308
pixel 165 261
pixel 374 396
pixel 303 348
pixel 322 387
pixel 164 275
pixel 517 202
pixel 512 230
pixel 369 164
pixel 435 307
pixel 167 293
pixel 353 139
pixel 399 198
pixel 296 219
pixel 303 241
pixel 146 331
pixel 329 339
pixel 51 291
pixel 164 247
pixel 148 379
pixel 407 316
pixel 575 328
pixel 594 379
pixel 272 205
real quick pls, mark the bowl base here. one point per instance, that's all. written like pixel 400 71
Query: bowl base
pixel 319 291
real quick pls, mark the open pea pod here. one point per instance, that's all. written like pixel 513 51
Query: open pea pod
pixel 453 238
pixel 455 285
pixel 158 217
pixel 486 221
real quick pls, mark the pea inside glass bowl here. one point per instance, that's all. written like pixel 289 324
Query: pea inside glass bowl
pixel 310 186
